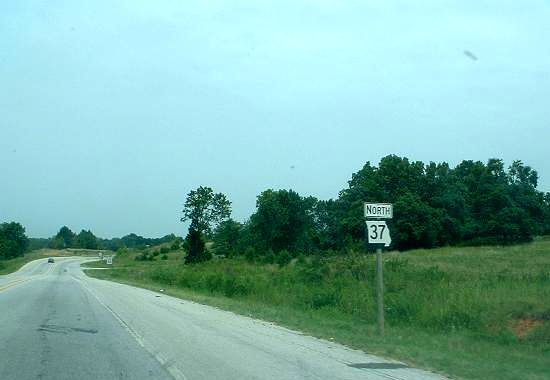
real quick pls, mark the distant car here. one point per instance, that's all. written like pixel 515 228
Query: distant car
pixel 50 260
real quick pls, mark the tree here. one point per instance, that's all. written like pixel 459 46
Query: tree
pixel 226 237
pixel 86 240
pixel 205 209
pixel 437 205
pixel 195 247
pixel 416 223
pixel 283 221
pixel 66 237
pixel 326 217
pixel 13 241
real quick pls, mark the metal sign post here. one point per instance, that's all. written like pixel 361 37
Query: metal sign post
pixel 378 234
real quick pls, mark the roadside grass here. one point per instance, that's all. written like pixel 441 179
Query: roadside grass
pixel 12 265
pixel 468 312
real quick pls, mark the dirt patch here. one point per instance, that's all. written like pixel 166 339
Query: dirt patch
pixel 522 327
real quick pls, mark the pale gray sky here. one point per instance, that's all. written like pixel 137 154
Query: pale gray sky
pixel 111 111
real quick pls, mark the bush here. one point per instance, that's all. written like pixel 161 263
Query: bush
pixel 234 286
pixel 324 298
pixel 164 250
pixel 144 256
pixel 164 257
pixel 269 257
pixel 156 253
pixel 283 258
pixel 250 254
pixel 176 244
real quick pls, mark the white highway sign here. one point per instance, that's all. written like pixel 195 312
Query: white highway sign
pixel 109 260
pixel 379 210
pixel 378 232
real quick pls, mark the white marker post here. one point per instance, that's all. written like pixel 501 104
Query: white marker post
pixel 109 260
pixel 378 234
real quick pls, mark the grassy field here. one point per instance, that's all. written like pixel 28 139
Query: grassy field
pixel 471 313
pixel 9 266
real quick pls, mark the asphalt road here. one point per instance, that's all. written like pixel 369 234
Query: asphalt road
pixel 56 323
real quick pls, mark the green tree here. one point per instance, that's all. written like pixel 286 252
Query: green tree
pixel 13 241
pixel 195 247
pixel 66 236
pixel 283 221
pixel 226 237
pixel 205 209
pixel 86 239
pixel 437 205
pixel 416 223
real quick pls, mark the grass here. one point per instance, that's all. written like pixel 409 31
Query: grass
pixel 12 265
pixel 471 313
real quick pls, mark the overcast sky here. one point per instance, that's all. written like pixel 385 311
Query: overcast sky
pixel 112 111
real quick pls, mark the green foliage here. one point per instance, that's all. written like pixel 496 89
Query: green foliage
pixel 164 257
pixel 195 247
pixel 56 243
pixel 250 254
pixel 38 243
pixel 65 237
pixel 283 258
pixel 205 209
pixel 145 256
pixel 483 290
pixel 283 221
pixel 13 241
pixel 164 250
pixel 226 237
pixel 269 257
pixel 87 240
pixel 135 241
pixel 436 205
pixel 176 244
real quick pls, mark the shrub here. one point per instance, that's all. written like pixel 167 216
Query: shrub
pixel 283 258
pixel 269 257
pixel 324 298
pixel 144 256
pixel 250 254
pixel 164 257
pixel 176 245
pixel 234 286
pixel 164 250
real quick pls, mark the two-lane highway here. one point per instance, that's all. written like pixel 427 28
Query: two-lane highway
pixel 52 328
pixel 57 323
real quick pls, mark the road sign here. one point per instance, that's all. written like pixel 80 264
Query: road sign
pixel 378 232
pixel 109 260
pixel 378 210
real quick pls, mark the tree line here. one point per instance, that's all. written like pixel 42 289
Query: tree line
pixel 434 205
pixel 14 241
pixel 85 239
